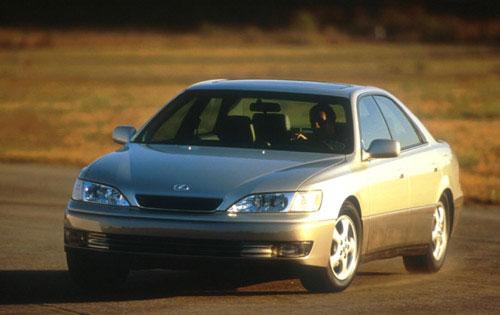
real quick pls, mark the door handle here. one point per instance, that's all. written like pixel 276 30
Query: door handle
pixel 434 166
pixel 401 172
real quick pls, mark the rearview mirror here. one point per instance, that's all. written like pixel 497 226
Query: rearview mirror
pixel 384 148
pixel 122 134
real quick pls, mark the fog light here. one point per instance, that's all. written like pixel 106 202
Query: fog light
pixel 75 238
pixel 295 249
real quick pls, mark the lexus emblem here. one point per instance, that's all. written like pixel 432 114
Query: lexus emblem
pixel 181 187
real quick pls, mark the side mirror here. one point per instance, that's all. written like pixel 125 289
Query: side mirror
pixel 384 148
pixel 122 134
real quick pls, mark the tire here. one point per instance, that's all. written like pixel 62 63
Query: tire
pixel 434 259
pixel 96 271
pixel 344 255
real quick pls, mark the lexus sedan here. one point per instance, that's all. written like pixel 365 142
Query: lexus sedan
pixel 314 176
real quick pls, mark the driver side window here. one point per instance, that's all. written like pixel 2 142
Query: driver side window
pixel 371 122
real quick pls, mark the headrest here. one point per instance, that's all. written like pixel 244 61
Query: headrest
pixel 266 107
pixel 237 129
pixel 279 121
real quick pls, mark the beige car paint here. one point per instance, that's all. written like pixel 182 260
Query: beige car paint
pixel 396 198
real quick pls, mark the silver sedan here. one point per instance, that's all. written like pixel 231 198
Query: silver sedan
pixel 317 176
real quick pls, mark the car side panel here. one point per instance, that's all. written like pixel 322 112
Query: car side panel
pixel 394 228
pixel 424 173
pixel 386 220
pixel 387 185
pixel 412 225
pixel 399 229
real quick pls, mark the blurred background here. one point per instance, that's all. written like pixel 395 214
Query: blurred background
pixel 70 71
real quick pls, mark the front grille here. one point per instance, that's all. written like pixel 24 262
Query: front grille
pixel 178 203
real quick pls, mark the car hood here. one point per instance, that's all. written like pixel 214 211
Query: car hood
pixel 213 172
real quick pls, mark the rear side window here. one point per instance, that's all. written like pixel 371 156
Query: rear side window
pixel 399 124
pixel 371 122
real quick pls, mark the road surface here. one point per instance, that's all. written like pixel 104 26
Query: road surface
pixel 33 277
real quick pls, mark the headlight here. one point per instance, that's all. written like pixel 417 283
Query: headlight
pixel 301 201
pixel 98 193
pixel 307 201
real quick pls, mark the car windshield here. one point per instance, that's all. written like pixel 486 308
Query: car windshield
pixel 245 119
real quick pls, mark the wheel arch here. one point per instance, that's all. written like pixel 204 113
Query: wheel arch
pixel 356 204
pixel 354 200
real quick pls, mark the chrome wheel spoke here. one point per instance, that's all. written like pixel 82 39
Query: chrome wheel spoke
pixel 345 229
pixel 344 263
pixel 336 235
pixel 435 236
pixel 334 260
pixel 440 218
pixel 352 246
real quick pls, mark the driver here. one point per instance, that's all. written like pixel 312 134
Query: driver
pixel 322 119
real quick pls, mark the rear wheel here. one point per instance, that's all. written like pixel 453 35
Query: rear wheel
pixel 433 260
pixel 96 271
pixel 344 255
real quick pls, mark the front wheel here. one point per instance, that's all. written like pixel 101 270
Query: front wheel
pixel 433 260
pixel 344 255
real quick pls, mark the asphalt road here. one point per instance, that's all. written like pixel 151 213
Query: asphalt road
pixel 33 277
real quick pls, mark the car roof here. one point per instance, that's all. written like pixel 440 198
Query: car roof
pixel 285 86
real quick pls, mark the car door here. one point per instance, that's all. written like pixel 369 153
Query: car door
pixel 386 184
pixel 422 169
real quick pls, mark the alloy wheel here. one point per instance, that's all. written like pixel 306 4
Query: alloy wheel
pixel 344 253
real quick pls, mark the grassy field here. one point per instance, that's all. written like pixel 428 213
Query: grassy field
pixel 61 97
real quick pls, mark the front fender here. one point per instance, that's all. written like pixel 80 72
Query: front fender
pixel 342 183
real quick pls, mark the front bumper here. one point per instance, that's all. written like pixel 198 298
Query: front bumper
pixel 285 238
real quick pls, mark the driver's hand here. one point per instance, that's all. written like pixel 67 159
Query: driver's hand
pixel 300 136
